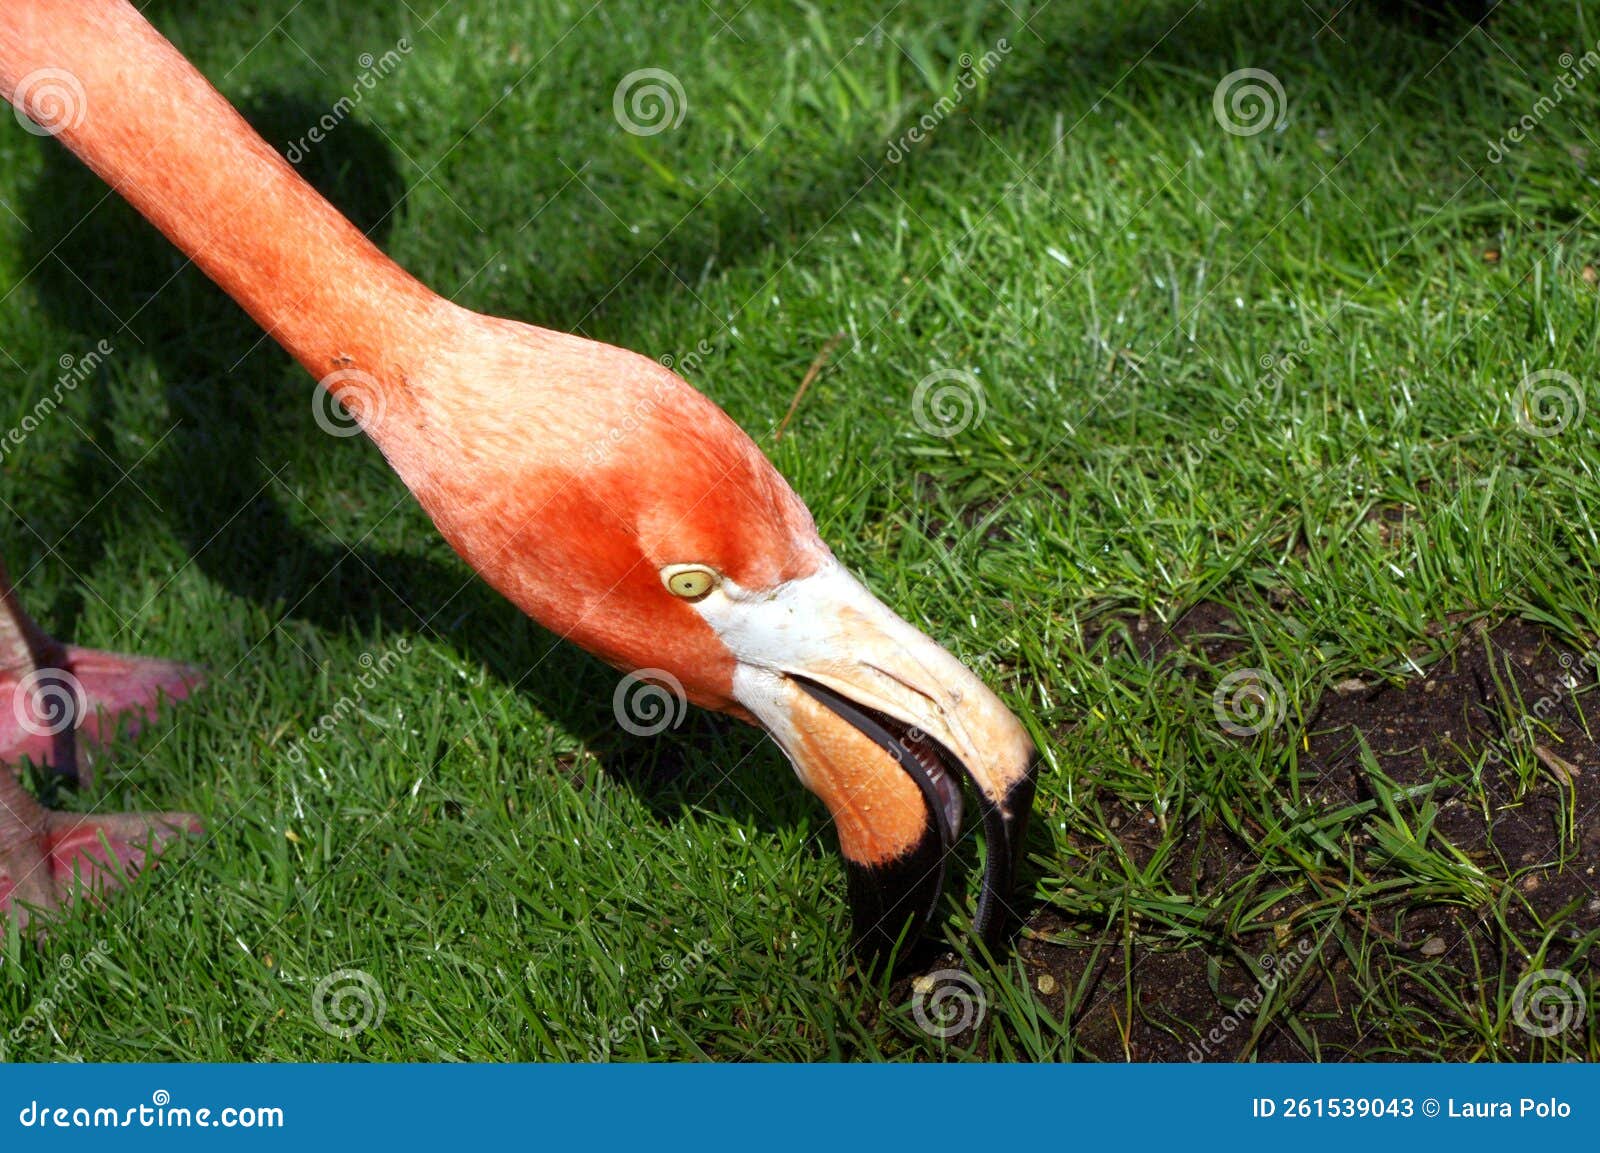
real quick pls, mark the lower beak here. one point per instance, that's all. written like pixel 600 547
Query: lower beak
pixel 883 726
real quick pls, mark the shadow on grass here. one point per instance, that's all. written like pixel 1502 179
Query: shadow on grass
pixel 794 186
pixel 224 381
pixel 103 269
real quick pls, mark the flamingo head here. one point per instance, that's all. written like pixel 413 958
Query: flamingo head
pixel 650 530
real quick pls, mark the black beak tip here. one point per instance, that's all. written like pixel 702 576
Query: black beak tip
pixel 1005 828
pixel 892 903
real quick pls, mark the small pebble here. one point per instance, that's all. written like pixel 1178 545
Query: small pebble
pixel 1046 984
pixel 1433 947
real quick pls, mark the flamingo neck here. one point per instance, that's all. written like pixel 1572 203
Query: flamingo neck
pixel 96 74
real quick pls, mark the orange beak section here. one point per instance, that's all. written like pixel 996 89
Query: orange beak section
pixel 878 808
pixel 886 728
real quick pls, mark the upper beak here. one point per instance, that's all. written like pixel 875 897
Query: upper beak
pixel 882 724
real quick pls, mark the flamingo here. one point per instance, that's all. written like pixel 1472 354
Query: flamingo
pixel 591 486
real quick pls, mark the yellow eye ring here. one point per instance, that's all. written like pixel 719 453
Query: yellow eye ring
pixel 689 581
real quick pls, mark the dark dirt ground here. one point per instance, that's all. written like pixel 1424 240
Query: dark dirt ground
pixel 1403 988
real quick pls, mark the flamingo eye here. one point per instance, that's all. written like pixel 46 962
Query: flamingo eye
pixel 689 581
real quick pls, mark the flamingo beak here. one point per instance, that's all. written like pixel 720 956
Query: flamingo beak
pixel 884 726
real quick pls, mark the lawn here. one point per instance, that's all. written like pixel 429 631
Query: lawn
pixel 1243 489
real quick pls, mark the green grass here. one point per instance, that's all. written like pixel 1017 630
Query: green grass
pixel 1081 235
